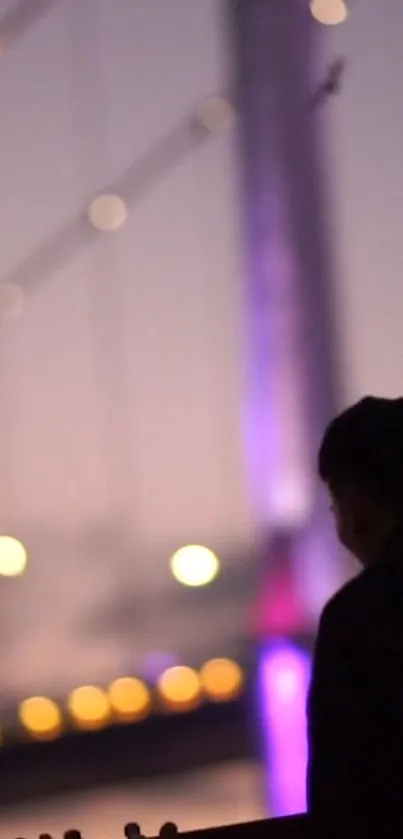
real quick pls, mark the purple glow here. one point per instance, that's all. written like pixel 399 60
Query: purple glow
pixel 284 674
pixel 155 664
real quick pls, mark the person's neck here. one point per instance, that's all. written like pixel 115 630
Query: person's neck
pixel 382 546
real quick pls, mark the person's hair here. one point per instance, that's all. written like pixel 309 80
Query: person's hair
pixel 363 448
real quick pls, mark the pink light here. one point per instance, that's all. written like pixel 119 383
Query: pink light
pixel 278 610
pixel 284 674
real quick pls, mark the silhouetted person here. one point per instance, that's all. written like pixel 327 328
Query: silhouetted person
pixel 355 708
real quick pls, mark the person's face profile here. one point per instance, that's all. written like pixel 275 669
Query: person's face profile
pixel 341 520
pixel 350 522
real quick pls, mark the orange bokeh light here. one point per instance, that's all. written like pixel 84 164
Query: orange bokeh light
pixel 130 699
pixel 222 679
pixel 41 717
pixel 89 707
pixel 180 688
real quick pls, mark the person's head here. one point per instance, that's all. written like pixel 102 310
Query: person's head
pixel 361 462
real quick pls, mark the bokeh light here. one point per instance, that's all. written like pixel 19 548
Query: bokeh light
pixel 107 213
pixel 13 557
pixel 284 675
pixel 329 12
pixel 180 688
pixel 222 679
pixel 130 699
pixel 194 565
pixel 89 707
pixel 41 717
pixel 216 114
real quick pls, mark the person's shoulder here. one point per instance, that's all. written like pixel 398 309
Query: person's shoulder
pixel 347 599
pixel 365 595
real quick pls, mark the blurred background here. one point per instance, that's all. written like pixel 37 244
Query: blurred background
pixel 200 263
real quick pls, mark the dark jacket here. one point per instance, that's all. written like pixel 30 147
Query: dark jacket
pixel 355 707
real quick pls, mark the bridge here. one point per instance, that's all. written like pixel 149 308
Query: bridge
pixel 290 827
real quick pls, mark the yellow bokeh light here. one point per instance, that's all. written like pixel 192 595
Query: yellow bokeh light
pixel 180 688
pixel 130 699
pixel 194 565
pixel 13 557
pixel 329 12
pixel 89 707
pixel 222 679
pixel 41 717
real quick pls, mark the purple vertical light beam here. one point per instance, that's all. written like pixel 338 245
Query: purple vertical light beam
pixel 284 673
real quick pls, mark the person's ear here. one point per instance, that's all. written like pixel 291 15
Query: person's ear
pixel 362 512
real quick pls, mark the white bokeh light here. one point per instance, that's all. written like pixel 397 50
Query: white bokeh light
pixel 194 565
pixel 13 557
pixel 329 12
pixel 216 114
pixel 107 213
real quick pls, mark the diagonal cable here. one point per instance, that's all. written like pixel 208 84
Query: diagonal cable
pixel 19 19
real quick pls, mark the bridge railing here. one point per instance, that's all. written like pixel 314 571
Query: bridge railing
pixel 293 827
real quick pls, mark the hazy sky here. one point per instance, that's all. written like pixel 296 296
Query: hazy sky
pixel 120 382
pixel 365 136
